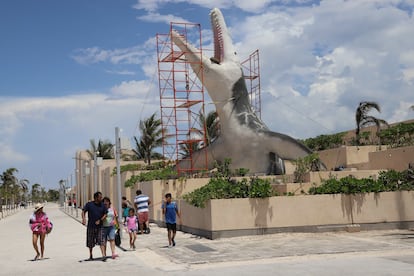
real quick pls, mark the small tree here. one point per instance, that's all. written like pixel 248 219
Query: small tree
pixel 9 184
pixel 24 188
pixel 362 119
pixel 36 192
pixel 304 165
pixel 151 137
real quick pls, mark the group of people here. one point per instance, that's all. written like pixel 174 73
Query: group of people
pixel 101 226
pixel 102 222
pixel 139 222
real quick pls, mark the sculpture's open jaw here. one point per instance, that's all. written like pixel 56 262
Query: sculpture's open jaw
pixel 217 22
pixel 223 45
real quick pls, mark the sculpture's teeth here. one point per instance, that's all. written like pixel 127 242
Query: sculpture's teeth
pixel 218 37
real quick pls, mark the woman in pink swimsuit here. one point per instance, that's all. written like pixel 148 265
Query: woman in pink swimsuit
pixel 40 226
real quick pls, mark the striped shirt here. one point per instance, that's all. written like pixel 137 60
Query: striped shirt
pixel 141 202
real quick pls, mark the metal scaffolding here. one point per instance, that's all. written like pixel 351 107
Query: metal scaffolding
pixel 181 100
pixel 251 71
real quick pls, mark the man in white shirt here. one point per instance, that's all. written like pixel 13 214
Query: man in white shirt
pixel 142 202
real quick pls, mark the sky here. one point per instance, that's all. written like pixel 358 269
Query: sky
pixel 74 70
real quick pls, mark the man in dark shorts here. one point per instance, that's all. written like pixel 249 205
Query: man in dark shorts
pixel 170 211
pixel 94 230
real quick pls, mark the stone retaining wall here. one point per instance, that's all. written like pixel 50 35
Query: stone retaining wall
pixel 307 213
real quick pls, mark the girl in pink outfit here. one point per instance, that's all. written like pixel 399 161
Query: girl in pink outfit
pixel 40 226
pixel 131 224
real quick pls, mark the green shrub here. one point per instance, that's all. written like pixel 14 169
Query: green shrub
pixel 259 188
pixel 387 181
pixel 166 173
pixel 220 188
pixel 306 164
pixel 223 168
pixel 241 172
pixel 141 167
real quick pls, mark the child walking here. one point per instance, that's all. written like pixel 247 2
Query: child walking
pixel 170 210
pixel 131 226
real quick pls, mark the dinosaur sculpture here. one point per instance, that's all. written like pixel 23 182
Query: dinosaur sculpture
pixel 243 136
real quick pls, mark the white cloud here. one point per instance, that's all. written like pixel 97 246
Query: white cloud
pixel 132 89
pixel 39 136
pixel 403 111
pixel 11 155
pixel 144 55
pixel 246 5
pixel 122 72
pixel 323 60
pixel 71 119
pixel 93 55
pixel 9 123
pixel 154 17
pixel 407 58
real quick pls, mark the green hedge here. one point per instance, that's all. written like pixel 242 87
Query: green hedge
pixel 166 173
pixel 220 187
pixel 387 181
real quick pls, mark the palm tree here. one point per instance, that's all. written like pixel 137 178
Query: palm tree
pixel 36 192
pixel 363 119
pixel 212 125
pixel 190 146
pixel 93 149
pixel 139 153
pixel 151 138
pixel 9 183
pixel 139 149
pixel 24 186
pixel 103 149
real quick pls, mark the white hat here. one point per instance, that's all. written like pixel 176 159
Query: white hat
pixel 38 206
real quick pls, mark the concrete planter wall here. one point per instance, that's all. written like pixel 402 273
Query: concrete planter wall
pixel 301 213
pixel 235 217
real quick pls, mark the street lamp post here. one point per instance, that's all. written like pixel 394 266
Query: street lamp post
pixel 86 171
pixel 118 172
pixel 81 172
pixel 95 171
pixel 71 195
pixel 62 193
pixel 77 191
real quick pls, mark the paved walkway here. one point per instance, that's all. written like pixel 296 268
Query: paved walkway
pixel 363 253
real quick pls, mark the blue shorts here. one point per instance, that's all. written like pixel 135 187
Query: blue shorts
pixel 109 233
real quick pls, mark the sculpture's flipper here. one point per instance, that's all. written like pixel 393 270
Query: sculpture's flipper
pixel 244 137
